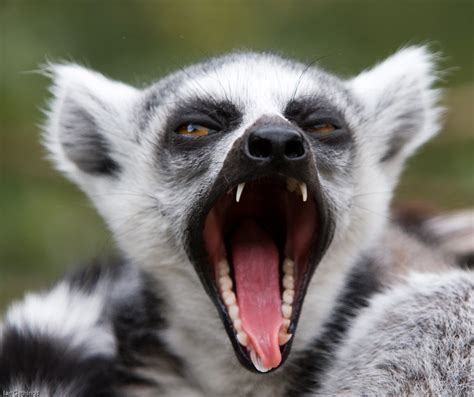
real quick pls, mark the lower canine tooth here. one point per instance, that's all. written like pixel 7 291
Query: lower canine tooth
pixel 257 363
pixel 283 338
pixel 242 338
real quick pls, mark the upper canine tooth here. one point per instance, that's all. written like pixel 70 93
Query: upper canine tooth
pixel 304 191
pixel 240 189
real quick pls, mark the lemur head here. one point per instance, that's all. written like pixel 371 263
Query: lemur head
pixel 247 172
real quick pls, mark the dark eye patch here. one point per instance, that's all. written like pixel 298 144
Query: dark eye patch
pixel 321 121
pixel 219 116
pixel 183 155
pixel 307 113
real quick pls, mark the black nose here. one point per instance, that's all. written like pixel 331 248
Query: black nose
pixel 275 143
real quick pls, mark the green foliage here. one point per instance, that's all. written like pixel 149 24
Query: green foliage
pixel 47 224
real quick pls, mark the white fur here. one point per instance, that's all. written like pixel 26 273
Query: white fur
pixel 66 314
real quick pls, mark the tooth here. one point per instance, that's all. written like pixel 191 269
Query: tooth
pixel 286 324
pixel 288 266
pixel 283 338
pixel 233 312
pixel 225 283
pixel 288 295
pixel 291 184
pixel 240 189
pixel 223 267
pixel 242 338
pixel 286 310
pixel 229 297
pixel 224 272
pixel 304 191
pixel 257 363
pixel 288 282
pixel 237 324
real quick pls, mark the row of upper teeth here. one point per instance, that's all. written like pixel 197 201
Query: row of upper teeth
pixel 228 296
pixel 292 185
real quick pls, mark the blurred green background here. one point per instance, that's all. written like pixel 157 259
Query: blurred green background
pixel 47 225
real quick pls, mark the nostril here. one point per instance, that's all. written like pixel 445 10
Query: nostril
pixel 260 148
pixel 294 149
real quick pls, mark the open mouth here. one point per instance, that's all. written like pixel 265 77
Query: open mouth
pixel 260 238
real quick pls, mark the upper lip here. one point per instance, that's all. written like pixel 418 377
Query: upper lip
pixel 196 250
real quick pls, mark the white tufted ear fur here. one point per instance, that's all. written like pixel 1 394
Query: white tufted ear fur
pixel 401 106
pixel 89 128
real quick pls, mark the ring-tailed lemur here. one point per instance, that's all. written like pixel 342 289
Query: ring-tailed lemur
pixel 249 198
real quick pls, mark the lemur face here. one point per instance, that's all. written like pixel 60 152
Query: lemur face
pixel 251 158
pixel 248 171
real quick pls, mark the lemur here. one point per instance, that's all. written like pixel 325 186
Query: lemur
pixel 249 199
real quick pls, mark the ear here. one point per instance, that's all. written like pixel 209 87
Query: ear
pixel 89 124
pixel 400 106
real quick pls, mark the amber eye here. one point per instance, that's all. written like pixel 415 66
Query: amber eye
pixel 192 129
pixel 323 128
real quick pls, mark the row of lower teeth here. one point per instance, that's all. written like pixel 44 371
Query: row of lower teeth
pixel 288 297
pixel 230 301
pixel 228 296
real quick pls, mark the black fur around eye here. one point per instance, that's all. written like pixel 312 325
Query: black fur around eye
pixel 314 115
pixel 199 118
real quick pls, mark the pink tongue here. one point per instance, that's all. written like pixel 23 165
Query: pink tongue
pixel 255 262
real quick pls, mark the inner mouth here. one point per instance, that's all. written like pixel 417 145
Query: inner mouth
pixel 258 237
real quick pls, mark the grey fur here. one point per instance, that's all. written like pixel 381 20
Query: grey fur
pixel 415 339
